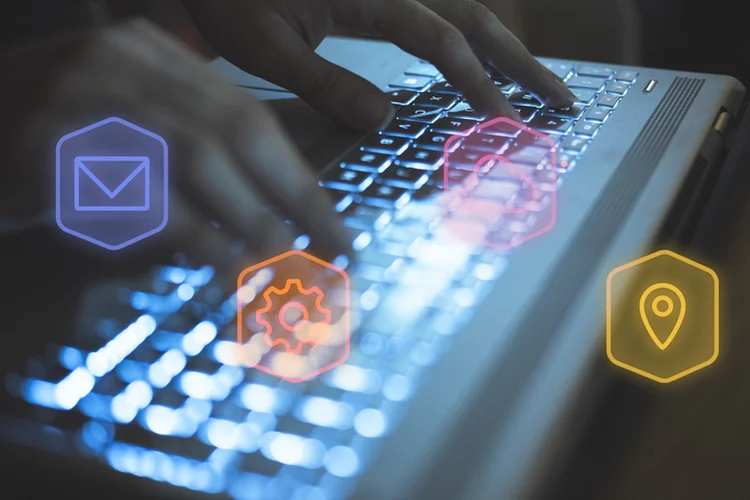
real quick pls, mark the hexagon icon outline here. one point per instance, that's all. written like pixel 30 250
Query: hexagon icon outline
pixel 715 324
pixel 347 304
pixel 89 128
pixel 553 158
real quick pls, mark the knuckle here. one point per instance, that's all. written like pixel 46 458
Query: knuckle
pixel 478 12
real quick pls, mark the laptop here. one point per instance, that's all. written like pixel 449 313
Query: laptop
pixel 455 387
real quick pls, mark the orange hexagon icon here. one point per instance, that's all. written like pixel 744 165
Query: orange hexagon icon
pixel 293 316
pixel 662 316
pixel 500 184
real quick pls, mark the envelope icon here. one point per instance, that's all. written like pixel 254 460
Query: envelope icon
pixel 111 183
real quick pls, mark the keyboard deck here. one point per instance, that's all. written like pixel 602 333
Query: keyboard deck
pixel 160 396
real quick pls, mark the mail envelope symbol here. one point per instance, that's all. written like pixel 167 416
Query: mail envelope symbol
pixel 111 183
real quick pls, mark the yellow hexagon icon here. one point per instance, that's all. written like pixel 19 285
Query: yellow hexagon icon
pixel 662 316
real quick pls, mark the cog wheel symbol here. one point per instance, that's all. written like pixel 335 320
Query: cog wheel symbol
pixel 286 336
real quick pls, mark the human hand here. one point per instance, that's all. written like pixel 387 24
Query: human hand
pixel 229 158
pixel 276 39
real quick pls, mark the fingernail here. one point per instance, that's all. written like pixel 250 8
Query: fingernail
pixel 374 110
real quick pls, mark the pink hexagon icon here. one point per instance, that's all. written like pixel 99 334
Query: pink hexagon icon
pixel 293 316
pixel 500 183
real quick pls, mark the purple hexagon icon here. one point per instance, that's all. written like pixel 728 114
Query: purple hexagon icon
pixel 111 182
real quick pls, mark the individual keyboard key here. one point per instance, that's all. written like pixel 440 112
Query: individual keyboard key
pixel 617 88
pixel 402 97
pixel 504 129
pixel 573 144
pixel 486 143
pixel 444 88
pixel 561 69
pixel 584 95
pixel 607 100
pixel 626 76
pixel 422 159
pixel 366 162
pixel 410 82
pixel 379 195
pixel 384 144
pixel 587 82
pixel 454 126
pixel 526 114
pixel 550 124
pixel 419 114
pixel 571 112
pixel 403 128
pixel 430 100
pixel 435 141
pixel 587 129
pixel 600 71
pixel 465 111
pixel 346 180
pixel 497 191
pixel 508 88
pixel 523 98
pixel 466 159
pixel 527 155
pixel 404 177
pixel 423 69
pixel 596 114
pixel 366 218
pixel 565 161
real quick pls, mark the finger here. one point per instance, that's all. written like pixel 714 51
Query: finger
pixel 340 94
pixel 502 50
pixel 420 31
pixel 174 80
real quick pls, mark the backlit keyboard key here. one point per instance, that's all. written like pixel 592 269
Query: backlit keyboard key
pixel 422 159
pixel 626 76
pixel 587 129
pixel 465 111
pixel 561 69
pixel 410 82
pixel 523 98
pixel 403 177
pixel 487 143
pixel 584 95
pixel 526 114
pixel 550 124
pixel 366 162
pixel 587 82
pixel 419 114
pixel 435 141
pixel 403 128
pixel 497 191
pixel 571 112
pixel 366 218
pixel 599 71
pixel 573 144
pixel 430 100
pixel 444 88
pixel 346 180
pixel 617 88
pixel 596 114
pixel 527 155
pixel 384 144
pixel 607 100
pixel 402 97
pixel 379 195
pixel 454 126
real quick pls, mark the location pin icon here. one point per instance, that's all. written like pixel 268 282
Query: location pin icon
pixel 662 306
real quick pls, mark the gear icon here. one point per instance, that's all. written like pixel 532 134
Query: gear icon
pixel 286 336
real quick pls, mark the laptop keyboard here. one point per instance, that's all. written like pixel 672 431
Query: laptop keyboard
pixel 154 391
